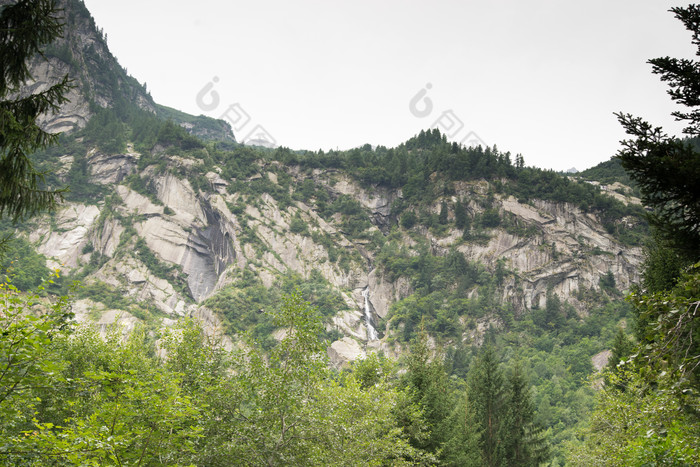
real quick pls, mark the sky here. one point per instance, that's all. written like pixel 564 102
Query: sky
pixel 541 78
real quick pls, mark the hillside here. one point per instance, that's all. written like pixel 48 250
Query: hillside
pixel 168 217
pixel 195 222
pixel 99 81
pixel 220 234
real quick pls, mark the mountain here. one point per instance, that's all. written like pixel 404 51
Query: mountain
pixel 99 81
pixel 169 217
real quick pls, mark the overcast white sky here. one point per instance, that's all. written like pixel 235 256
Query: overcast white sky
pixel 540 77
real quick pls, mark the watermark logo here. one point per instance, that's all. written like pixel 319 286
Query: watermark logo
pixel 259 136
pixel 420 105
pixel 447 122
pixel 236 116
pixel 208 100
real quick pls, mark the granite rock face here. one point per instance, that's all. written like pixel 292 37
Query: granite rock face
pixel 98 80
pixel 195 233
pixel 170 229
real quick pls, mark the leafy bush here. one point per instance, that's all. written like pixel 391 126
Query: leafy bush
pixel 408 219
pixel 21 264
pixel 298 226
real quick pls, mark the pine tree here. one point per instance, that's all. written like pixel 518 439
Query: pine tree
pixel 25 26
pixel 466 233
pixel 519 161
pixel 554 316
pixel 487 401
pixel 621 349
pixel 462 447
pixel 428 386
pixel 460 215
pixel 443 213
pixel 667 168
pixel 525 443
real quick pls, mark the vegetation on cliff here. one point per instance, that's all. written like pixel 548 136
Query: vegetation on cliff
pixel 493 361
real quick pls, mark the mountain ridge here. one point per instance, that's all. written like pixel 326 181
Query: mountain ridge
pixel 205 197
pixel 99 81
pixel 169 217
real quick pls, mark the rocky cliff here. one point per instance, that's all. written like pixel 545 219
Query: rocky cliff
pixel 157 229
pixel 98 80
pixel 169 248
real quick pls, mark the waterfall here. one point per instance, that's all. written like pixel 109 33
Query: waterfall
pixel 371 332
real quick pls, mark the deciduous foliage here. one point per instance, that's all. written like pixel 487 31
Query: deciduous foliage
pixel 639 422
pixel 22 264
pixel 269 424
pixel 75 397
pixel 671 338
pixel 24 351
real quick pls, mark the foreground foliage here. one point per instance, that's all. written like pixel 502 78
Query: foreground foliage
pixel 648 413
pixel 73 394
pixel 638 422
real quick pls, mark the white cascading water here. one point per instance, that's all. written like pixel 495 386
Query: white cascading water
pixel 371 332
